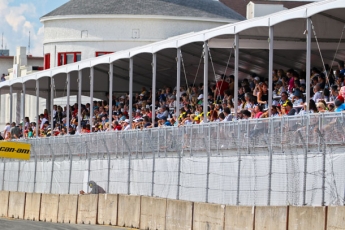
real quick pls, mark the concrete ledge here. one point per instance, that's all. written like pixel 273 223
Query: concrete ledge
pixel 16 205
pixel 68 205
pixel 271 217
pixel 87 209
pixel 307 218
pixel 152 213
pixel 129 211
pixel 4 196
pixel 239 218
pixel 107 209
pixel 32 206
pixel 179 215
pixel 208 216
pixel 49 208
pixel 336 217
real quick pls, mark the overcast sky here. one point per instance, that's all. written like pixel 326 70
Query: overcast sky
pixel 18 17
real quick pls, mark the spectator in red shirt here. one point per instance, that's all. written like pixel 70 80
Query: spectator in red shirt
pixel 117 126
pixel 221 86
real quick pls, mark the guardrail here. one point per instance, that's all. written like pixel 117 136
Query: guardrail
pixel 277 161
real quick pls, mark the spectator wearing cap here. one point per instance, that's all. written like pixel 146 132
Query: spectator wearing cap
pixel 163 113
pixel 289 110
pixel 339 104
pixel 126 125
pixel 297 98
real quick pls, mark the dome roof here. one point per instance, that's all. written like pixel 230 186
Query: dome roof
pixel 178 8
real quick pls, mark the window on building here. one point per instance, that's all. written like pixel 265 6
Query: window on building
pixel 102 53
pixel 47 61
pixel 68 57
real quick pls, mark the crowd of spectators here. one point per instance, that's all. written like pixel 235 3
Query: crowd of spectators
pixel 289 98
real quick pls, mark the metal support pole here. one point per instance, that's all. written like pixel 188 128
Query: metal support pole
pixel 92 73
pixel 110 110
pixel 37 107
pixel 205 102
pixel 154 76
pixel 80 77
pixel 178 83
pixel 11 104
pixel 22 108
pixel 308 59
pixel 237 54
pixel 52 86
pixel 130 91
pixel 68 80
pixel 238 165
pixel 270 69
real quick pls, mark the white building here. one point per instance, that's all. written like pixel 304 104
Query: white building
pixel 82 29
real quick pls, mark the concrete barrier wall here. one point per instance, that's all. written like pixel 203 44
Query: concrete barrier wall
pixel 4 196
pixel 307 218
pixel 32 206
pixel 208 216
pixel 272 217
pixel 49 208
pixel 16 205
pixel 87 209
pixel 152 213
pixel 129 211
pixel 107 209
pixel 68 205
pixel 157 213
pixel 239 218
pixel 336 217
pixel 179 215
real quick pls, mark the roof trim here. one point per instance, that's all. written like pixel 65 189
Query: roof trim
pixel 130 16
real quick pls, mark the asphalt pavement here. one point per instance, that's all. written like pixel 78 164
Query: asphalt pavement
pixel 15 224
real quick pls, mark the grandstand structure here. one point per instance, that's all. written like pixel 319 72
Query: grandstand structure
pixel 274 161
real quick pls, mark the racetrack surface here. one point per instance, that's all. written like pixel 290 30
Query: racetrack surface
pixel 16 224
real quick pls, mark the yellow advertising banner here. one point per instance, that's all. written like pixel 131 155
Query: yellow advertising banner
pixel 15 150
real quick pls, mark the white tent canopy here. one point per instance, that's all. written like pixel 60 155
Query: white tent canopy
pixel 289 27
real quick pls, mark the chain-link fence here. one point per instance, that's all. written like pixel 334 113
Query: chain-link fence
pixel 296 160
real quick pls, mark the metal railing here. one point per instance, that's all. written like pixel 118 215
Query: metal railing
pixel 277 161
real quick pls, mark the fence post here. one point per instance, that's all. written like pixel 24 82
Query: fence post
pixel 239 164
pixel 153 168
pixel 179 173
pixel 3 174
pixel 108 155
pixel 70 167
pixel 269 142
pixel 35 173
pixel 18 176
pixel 52 170
pixel 321 137
pixel 208 166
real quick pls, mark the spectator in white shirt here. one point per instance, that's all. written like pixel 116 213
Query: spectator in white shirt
pixel 317 94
